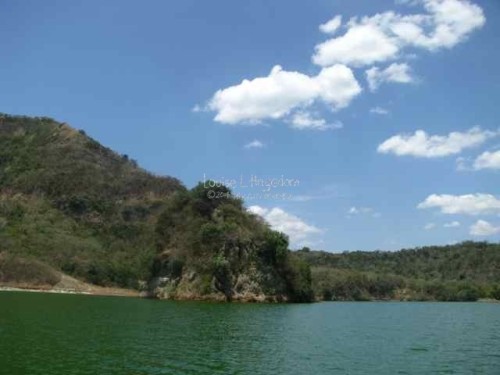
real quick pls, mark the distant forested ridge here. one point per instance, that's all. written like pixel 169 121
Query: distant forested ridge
pixel 463 272
pixel 69 204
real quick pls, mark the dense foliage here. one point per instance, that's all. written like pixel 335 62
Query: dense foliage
pixel 76 205
pixel 462 272
pixel 70 203
pixel 225 249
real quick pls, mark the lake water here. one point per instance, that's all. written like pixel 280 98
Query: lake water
pixel 73 334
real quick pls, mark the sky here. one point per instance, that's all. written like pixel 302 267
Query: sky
pixel 348 125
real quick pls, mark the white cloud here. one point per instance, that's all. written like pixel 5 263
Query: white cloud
pixel 337 86
pixel 331 26
pixel 363 211
pixel 398 73
pixel 366 41
pixel 362 44
pixel 452 224
pixel 298 231
pixel 379 111
pixel 254 144
pixel 423 145
pixel 483 228
pixel 382 37
pixel 468 204
pixel 487 160
pixel 453 21
pixel 429 226
pixel 275 96
pixel 304 120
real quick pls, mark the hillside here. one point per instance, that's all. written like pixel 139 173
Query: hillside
pixel 461 272
pixel 77 207
pixel 70 206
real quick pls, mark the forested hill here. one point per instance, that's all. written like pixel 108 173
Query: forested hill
pixel 465 271
pixel 69 204
pixel 76 205
pixel 42 156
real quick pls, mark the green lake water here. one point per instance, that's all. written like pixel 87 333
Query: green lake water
pixel 72 334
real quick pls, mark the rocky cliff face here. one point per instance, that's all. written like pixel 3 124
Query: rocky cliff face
pixel 216 249
pixel 187 283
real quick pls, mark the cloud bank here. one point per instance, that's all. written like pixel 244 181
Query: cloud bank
pixel 366 42
pixel 385 36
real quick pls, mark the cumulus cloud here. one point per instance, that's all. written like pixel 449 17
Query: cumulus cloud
pixel 304 120
pixel 383 37
pixel 452 224
pixel 254 144
pixel 452 21
pixel 379 111
pixel 423 145
pixel 278 94
pixel 331 26
pixel 484 228
pixel 362 44
pixel 366 41
pixel 398 73
pixel 487 160
pixel 468 204
pixel 298 231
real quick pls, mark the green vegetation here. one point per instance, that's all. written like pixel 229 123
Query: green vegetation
pixel 76 205
pixel 30 272
pixel 214 245
pixel 462 272
pixel 71 204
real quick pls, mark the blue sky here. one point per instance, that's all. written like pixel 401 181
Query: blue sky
pixel 384 113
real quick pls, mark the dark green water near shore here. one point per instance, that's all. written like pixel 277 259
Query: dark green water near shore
pixel 74 334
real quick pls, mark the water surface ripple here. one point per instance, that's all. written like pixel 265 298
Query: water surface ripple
pixel 72 334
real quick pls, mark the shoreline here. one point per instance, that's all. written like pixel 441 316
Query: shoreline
pixel 89 291
pixel 118 292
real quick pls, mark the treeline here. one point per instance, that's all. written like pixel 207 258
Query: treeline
pixel 463 272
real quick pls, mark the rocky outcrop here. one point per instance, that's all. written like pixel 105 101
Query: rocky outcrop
pixel 176 281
